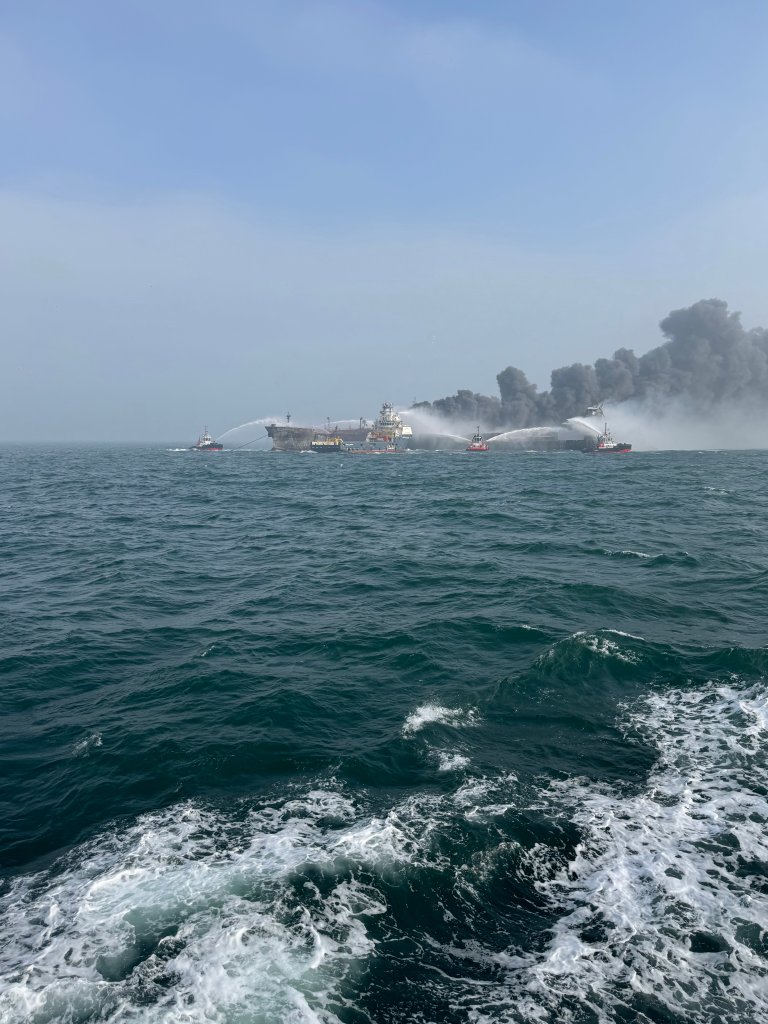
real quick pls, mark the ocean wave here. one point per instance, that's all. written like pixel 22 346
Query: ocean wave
pixel 607 647
pixel 190 915
pixel 626 553
pixel 662 907
pixel 646 898
pixel 604 644
pixel 451 761
pixel 437 714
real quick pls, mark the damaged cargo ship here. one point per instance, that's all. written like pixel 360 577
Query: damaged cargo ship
pixel 286 438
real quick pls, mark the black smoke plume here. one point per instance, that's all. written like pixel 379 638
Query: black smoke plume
pixel 708 359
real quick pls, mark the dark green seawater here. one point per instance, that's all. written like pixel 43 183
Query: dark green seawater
pixel 429 738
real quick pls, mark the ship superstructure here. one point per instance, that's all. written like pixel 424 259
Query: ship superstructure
pixel 388 433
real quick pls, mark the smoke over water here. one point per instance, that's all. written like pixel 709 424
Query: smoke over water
pixel 682 428
pixel 706 386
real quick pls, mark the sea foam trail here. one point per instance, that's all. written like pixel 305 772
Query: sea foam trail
pixel 195 915
pixel 277 913
pixel 664 906
pixel 191 916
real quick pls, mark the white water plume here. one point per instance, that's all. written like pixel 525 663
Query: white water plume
pixel 522 435
pixel 262 421
pixel 425 421
pixel 675 426
pixel 587 428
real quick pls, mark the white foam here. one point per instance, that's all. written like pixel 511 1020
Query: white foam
pixel 451 762
pixel 629 553
pixel 85 745
pixel 193 915
pixel 480 798
pixel 430 714
pixel 206 903
pixel 599 643
pixel 664 899
pixel 605 647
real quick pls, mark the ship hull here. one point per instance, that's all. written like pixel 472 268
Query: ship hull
pixel 299 439
pixel 290 439
pixel 380 446
pixel 619 449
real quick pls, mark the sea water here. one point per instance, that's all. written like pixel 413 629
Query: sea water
pixel 432 738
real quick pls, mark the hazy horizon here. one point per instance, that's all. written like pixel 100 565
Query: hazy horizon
pixel 215 214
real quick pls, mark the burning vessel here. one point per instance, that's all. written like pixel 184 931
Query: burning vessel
pixel 389 433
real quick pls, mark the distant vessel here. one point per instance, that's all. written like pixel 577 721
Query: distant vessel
pixel 605 444
pixel 361 437
pixel 323 443
pixel 286 438
pixel 205 443
pixel 388 435
pixel 478 443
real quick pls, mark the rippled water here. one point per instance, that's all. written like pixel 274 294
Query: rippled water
pixel 424 738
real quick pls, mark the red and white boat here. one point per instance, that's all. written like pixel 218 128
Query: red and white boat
pixel 478 443
pixel 605 444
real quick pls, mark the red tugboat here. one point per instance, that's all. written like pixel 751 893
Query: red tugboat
pixel 478 443
pixel 605 445
pixel 205 443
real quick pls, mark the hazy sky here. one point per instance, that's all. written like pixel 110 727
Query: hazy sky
pixel 216 211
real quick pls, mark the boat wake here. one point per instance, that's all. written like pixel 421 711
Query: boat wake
pixel 494 901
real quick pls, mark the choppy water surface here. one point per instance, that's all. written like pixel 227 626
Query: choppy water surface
pixel 432 738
